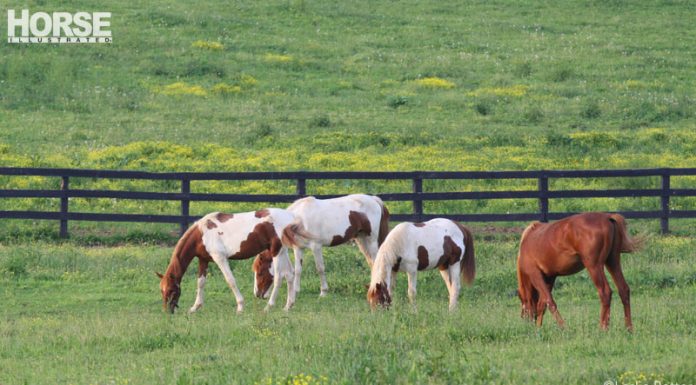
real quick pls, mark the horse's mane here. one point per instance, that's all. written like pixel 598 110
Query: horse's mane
pixel 385 259
pixel 176 265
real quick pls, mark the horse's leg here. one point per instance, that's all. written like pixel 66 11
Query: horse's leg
pixel 412 287
pixel 284 258
pixel 202 272
pixel 455 285
pixel 368 247
pixel 391 278
pixel 545 297
pixel 600 281
pixel 446 277
pixel 319 262
pixel 281 269
pixel 614 267
pixel 224 266
pixel 297 251
pixel 541 306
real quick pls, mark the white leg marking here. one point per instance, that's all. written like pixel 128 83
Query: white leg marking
pixel 319 262
pixel 199 294
pixel 455 277
pixel 446 277
pixel 368 248
pixel 298 267
pixel 224 266
pixel 412 287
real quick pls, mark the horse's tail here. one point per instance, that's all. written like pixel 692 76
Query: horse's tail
pixel 383 223
pixel 622 242
pixel 468 264
pixel 295 235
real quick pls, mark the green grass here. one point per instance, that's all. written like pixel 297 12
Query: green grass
pixel 301 85
pixel 76 314
pixel 359 85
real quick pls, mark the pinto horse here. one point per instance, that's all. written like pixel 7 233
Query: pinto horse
pixel 333 222
pixel 584 241
pixel 438 243
pixel 218 237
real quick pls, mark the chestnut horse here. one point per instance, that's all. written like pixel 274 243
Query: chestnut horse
pixel 438 243
pixel 218 237
pixel 584 241
pixel 333 222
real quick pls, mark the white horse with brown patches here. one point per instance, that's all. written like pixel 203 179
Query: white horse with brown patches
pixel 333 222
pixel 410 247
pixel 219 237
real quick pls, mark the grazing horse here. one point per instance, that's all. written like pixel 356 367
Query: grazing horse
pixel 218 237
pixel 333 222
pixel 438 243
pixel 584 241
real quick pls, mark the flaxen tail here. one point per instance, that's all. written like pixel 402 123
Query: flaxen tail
pixel 295 235
pixel 468 263
pixel 622 242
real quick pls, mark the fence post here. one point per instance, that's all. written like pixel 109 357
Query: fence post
pixel 301 187
pixel 64 186
pixel 185 191
pixel 418 203
pixel 664 218
pixel 544 197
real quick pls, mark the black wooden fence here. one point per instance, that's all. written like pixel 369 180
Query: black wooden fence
pixel 417 196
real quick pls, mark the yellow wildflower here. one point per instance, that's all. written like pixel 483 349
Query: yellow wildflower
pixel 434 82
pixel 211 45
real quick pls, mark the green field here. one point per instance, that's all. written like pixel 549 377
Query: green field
pixel 373 86
pixel 76 314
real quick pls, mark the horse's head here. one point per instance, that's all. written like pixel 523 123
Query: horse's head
pixel 171 291
pixel 263 274
pixel 378 295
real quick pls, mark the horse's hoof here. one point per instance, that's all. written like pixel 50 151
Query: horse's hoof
pixel 267 309
pixel 323 293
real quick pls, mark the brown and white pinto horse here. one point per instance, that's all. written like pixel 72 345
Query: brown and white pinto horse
pixel 584 241
pixel 333 222
pixel 218 237
pixel 438 243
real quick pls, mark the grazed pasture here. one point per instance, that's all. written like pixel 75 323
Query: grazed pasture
pixel 307 85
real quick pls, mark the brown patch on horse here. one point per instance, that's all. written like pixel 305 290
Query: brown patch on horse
pixel 450 255
pixel 468 263
pixel 190 245
pixel 222 217
pixel 423 260
pixel 261 267
pixel 262 237
pixel 397 264
pixel 379 295
pixel 419 224
pixel 262 213
pixel 359 225
pixel 210 224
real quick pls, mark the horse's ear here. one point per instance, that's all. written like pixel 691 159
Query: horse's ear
pixel 159 275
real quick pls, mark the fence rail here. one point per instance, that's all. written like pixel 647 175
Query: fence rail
pixel 417 196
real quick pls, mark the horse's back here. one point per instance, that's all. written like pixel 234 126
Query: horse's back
pixel 423 245
pixel 332 218
pixel 565 246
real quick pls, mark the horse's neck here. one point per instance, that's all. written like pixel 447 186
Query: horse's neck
pixel 381 267
pixel 180 261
